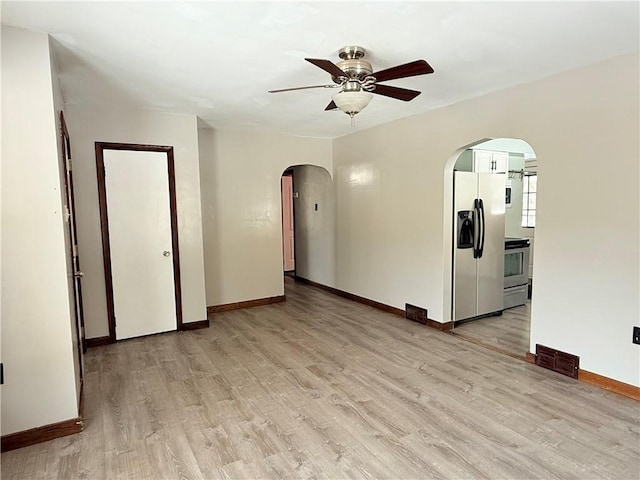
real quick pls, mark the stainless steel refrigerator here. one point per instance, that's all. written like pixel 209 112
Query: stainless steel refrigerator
pixel 478 252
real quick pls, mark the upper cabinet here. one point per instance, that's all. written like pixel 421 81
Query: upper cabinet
pixel 486 161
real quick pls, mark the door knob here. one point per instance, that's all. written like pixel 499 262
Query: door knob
pixel 78 274
pixel 166 253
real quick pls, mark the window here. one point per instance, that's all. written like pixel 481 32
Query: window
pixel 529 190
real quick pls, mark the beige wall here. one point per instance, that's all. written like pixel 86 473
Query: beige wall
pixel 58 104
pixel 37 341
pixel 242 217
pixel 393 203
pixel 88 125
pixel 315 227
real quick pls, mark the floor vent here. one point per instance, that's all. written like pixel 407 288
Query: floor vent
pixel 417 314
pixel 558 361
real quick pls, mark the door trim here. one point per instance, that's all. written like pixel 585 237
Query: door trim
pixel 104 224
pixel 73 239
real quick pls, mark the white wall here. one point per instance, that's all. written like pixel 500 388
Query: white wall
pixel 58 103
pixel 315 228
pixel 37 341
pixel 393 223
pixel 89 124
pixel 241 204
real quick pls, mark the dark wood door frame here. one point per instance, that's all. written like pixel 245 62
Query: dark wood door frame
pixel 73 240
pixel 100 147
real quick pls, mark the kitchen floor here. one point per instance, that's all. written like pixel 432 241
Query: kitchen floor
pixel 508 333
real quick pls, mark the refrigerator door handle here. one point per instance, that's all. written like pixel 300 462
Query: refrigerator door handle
pixel 476 229
pixel 482 227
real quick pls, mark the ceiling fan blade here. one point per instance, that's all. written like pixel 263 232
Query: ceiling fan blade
pixel 327 66
pixel 303 88
pixel 419 67
pixel 331 106
pixel 394 92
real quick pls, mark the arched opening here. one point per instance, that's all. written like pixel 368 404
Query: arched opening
pixel 308 224
pixel 489 210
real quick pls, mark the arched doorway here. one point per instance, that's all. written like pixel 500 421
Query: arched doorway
pixel 308 223
pixel 489 273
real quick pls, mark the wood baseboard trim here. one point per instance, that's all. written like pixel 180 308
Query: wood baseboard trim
pixel 195 325
pixel 610 384
pixel 97 342
pixel 355 298
pixel 40 434
pixel 443 327
pixel 258 302
pixel 601 381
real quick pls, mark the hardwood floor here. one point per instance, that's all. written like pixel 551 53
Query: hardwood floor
pixel 323 387
pixel 508 333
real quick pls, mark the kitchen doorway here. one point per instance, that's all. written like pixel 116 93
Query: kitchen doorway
pixel 504 327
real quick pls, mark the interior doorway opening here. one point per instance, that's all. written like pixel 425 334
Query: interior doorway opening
pixel 288 223
pixel 491 239
pixel 308 224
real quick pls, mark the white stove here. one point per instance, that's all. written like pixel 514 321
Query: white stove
pixel 516 271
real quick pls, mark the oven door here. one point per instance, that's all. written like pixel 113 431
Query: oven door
pixel 516 267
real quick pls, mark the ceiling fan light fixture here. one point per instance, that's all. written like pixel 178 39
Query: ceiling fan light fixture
pixel 352 103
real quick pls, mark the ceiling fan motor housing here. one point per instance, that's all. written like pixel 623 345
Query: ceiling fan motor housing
pixel 352 64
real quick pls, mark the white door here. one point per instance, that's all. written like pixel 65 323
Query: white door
pixel 140 237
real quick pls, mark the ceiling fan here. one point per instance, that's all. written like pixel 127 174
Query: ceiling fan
pixel 357 81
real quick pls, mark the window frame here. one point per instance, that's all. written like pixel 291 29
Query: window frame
pixel 527 212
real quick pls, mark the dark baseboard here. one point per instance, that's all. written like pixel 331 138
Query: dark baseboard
pixel 610 384
pixel 443 327
pixel 258 302
pixel 41 434
pixel 355 298
pixel 195 325
pixel 601 381
pixel 98 341
pixel 530 357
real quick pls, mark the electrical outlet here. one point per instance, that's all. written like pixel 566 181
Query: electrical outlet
pixel 636 335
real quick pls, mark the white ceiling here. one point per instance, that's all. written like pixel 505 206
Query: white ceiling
pixel 218 59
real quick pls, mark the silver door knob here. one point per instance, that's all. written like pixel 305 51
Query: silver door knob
pixel 166 253
pixel 78 274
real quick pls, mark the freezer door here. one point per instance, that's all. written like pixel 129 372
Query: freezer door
pixel 491 264
pixel 464 265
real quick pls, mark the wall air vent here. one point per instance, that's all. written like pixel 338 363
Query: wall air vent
pixel 558 361
pixel 417 314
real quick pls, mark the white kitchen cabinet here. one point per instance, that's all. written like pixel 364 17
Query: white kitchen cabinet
pixel 486 161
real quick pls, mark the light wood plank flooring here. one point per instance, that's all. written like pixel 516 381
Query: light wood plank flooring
pixel 322 387
pixel 508 333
